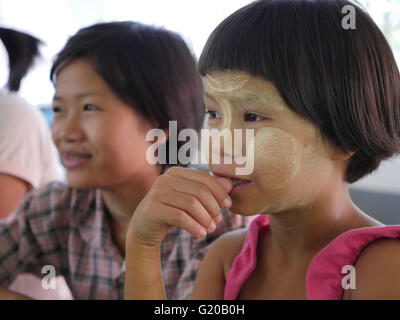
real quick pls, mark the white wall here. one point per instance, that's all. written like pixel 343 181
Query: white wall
pixel 385 179
pixel 53 21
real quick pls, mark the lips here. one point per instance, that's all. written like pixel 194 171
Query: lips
pixel 72 159
pixel 238 184
pixel 235 181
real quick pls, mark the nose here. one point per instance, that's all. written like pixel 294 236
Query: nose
pixel 68 129
pixel 233 145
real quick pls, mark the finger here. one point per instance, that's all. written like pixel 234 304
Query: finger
pixel 198 190
pixel 225 183
pixel 206 179
pixel 179 218
pixel 192 206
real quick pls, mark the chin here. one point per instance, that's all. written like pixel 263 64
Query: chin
pixel 244 208
pixel 80 185
pixel 80 182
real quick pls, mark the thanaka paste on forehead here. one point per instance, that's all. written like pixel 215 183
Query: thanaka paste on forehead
pixel 267 98
pixel 227 81
pixel 274 101
pixel 226 114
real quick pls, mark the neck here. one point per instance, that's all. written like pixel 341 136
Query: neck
pixel 123 198
pixel 302 233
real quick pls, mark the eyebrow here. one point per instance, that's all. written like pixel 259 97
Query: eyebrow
pixel 263 98
pixel 79 96
pixel 250 96
pixel 209 97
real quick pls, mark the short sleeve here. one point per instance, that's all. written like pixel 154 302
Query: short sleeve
pixel 26 149
pixel 30 238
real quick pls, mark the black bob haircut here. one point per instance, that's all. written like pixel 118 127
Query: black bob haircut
pixel 149 68
pixel 22 50
pixel 344 81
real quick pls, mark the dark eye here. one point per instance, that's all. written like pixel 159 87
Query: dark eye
pixel 56 109
pixel 90 107
pixel 249 116
pixel 213 114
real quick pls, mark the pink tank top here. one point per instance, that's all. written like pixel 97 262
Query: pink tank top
pixel 324 275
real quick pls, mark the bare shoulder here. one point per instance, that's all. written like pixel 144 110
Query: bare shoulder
pixel 210 279
pixel 228 246
pixel 377 271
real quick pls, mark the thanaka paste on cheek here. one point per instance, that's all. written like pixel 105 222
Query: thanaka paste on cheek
pixel 276 157
pixel 286 164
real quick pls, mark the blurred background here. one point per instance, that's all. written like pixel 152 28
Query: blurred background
pixel 53 21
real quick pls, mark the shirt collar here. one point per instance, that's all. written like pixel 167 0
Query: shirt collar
pixel 93 225
pixel 94 229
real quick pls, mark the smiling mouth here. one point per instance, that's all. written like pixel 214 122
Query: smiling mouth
pixel 74 160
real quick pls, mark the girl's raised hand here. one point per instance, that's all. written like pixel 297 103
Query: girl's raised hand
pixel 186 198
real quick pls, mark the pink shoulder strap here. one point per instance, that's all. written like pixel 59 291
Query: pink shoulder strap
pixel 245 263
pixel 324 276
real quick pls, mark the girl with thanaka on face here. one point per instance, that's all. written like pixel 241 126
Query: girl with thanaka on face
pixel 113 83
pixel 324 103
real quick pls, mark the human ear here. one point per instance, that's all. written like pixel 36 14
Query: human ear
pixel 337 153
pixel 165 136
pixel 341 154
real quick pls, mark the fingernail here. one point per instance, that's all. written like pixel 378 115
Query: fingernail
pixel 203 232
pixel 212 227
pixel 227 203
pixel 219 218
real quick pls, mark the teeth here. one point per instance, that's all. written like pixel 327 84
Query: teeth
pixel 235 182
pixel 77 157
